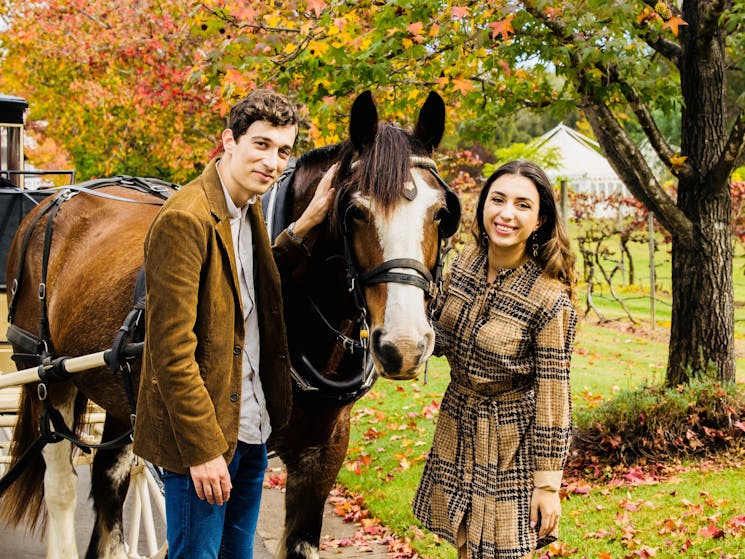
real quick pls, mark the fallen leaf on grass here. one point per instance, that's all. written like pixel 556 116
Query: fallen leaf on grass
pixel 561 549
pixel 711 531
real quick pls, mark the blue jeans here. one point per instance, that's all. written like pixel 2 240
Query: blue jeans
pixel 197 530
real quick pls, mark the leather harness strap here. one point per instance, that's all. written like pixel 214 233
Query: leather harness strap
pixel 40 349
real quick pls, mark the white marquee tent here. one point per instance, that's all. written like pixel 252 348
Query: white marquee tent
pixel 581 163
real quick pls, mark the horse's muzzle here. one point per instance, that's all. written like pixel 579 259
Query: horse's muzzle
pixel 400 358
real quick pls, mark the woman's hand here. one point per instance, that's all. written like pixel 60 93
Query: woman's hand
pixel 546 507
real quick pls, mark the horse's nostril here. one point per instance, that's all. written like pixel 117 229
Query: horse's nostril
pixel 376 337
pixel 426 342
pixel 388 354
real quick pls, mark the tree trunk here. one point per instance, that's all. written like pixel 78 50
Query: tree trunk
pixel 702 328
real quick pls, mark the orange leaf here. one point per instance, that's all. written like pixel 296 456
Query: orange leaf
pixel 415 28
pixel 459 12
pixel 503 27
pixel 712 532
pixel 463 85
pixel 317 6
pixel 673 23
pixel 244 13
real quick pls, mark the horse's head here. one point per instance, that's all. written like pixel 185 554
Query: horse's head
pixel 394 210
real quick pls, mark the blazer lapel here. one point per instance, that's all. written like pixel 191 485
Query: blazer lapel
pixel 219 208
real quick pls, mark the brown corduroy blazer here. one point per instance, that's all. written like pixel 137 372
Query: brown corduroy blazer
pixel 188 407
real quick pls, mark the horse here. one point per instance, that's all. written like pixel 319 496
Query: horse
pixel 358 309
pixel 355 311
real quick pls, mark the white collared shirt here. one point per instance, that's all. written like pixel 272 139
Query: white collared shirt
pixel 255 427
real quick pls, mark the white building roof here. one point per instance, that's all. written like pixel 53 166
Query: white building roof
pixel 580 162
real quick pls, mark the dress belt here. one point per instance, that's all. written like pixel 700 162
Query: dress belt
pixel 500 392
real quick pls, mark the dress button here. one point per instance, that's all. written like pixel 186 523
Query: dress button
pixel 234 397
pixel 236 350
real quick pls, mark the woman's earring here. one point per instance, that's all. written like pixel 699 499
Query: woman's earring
pixel 484 240
pixel 535 244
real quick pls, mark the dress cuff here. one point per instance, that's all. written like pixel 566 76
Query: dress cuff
pixel 548 481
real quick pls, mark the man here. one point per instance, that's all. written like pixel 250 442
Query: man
pixel 215 374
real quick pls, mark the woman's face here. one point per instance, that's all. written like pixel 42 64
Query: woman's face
pixel 511 212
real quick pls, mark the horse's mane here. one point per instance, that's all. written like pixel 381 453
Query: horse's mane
pixel 384 166
pixel 380 170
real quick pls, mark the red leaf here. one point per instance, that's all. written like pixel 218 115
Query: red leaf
pixel 712 532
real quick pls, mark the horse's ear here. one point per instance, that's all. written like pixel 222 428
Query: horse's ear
pixel 431 124
pixel 363 122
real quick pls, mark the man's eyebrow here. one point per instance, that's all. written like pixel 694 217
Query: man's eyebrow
pixel 268 140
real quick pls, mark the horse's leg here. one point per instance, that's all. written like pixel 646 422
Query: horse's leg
pixel 109 485
pixel 312 468
pixel 60 482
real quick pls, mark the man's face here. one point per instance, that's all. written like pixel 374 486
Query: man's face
pixel 253 162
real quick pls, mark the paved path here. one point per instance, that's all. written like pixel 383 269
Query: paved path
pixel 16 544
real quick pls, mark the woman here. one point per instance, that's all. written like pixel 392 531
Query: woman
pixel 506 324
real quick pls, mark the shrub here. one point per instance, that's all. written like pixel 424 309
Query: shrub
pixel 658 423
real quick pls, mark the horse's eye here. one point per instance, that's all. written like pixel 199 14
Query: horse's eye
pixel 441 214
pixel 356 213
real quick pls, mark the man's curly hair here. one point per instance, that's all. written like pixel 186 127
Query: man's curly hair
pixel 262 104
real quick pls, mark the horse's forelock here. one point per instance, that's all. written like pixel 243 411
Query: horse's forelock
pixel 384 166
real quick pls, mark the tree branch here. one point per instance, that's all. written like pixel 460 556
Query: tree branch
pixel 649 126
pixel 630 165
pixel 734 149
pixel 669 49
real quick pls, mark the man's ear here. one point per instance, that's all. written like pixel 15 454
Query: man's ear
pixel 228 140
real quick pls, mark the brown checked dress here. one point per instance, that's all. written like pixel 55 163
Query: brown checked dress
pixel 505 419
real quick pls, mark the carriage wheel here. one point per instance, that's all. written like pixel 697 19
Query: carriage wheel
pixel 145 513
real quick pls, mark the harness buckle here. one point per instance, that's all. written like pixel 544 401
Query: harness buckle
pixel 432 289
pixel 41 391
pixel 348 345
pixel 42 291
pixel 364 333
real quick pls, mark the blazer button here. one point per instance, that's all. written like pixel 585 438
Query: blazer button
pixel 236 350
pixel 234 397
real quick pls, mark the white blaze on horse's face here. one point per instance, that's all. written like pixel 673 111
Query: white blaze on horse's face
pixel 404 340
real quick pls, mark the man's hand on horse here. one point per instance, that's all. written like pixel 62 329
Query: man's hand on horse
pixel 319 206
pixel 212 481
